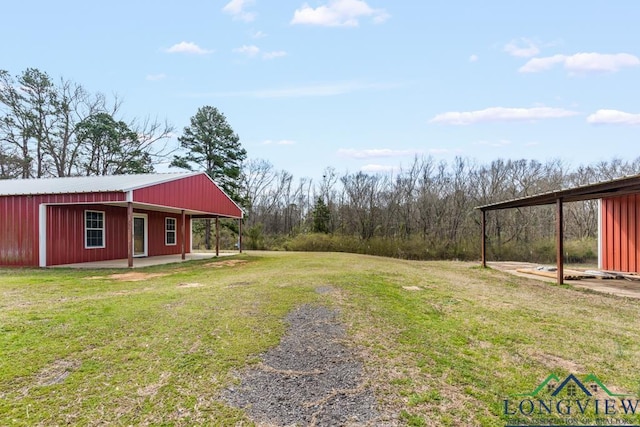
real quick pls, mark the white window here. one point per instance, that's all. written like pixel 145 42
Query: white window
pixel 94 229
pixel 170 231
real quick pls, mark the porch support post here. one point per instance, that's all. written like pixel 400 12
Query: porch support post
pixel 217 236
pixel 183 234
pixel 130 234
pixel 484 240
pixel 559 242
pixel 240 234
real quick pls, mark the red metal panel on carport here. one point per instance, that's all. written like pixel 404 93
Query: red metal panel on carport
pixel 621 234
pixel 19 227
pixel 197 193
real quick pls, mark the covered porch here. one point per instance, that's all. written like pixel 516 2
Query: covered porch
pixel 147 261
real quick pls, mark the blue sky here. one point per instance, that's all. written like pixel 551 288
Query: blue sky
pixel 357 85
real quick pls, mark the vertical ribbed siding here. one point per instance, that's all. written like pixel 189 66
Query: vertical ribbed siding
pixel 157 241
pixel 19 224
pixel 18 231
pixel 621 234
pixel 66 239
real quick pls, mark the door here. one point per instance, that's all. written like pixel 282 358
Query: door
pixel 139 235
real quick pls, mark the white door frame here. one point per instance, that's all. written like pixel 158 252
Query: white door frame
pixel 145 217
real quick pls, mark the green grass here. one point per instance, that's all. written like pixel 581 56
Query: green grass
pixel 158 352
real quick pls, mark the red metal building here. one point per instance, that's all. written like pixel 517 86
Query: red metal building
pixel 56 221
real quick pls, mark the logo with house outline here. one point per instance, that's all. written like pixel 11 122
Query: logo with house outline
pixel 572 385
pixel 572 401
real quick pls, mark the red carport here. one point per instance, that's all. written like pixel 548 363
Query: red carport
pixel 618 222
pixel 54 221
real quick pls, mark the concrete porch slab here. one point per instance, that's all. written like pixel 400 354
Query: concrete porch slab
pixel 145 261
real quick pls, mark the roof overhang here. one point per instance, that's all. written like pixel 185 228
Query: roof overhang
pixel 151 207
pixel 613 188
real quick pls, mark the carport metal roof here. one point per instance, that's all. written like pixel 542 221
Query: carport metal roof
pixel 613 188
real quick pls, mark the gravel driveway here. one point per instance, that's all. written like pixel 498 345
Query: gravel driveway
pixel 310 379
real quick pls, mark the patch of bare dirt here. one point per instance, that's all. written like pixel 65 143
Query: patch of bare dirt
pixel 56 372
pixel 238 284
pixel 190 285
pixel 310 379
pixel 551 361
pixel 152 389
pixel 227 263
pixel 133 276
pixel 412 288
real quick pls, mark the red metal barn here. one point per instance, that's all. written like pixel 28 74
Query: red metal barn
pixel 56 221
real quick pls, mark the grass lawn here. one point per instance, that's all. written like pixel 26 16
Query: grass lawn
pixel 81 347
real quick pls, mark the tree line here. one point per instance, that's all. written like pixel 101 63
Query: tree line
pixel 425 210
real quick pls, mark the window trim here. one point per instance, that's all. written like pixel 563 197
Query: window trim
pixel 104 225
pixel 167 231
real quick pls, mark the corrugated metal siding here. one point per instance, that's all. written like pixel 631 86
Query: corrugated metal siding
pixel 19 244
pixel 65 234
pixel 156 227
pixel 18 231
pixel 192 193
pixel 621 238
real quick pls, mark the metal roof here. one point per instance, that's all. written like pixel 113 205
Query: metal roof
pixel 612 188
pixel 86 184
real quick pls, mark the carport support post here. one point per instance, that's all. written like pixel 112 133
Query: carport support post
pixel 240 234
pixel 183 234
pixel 217 237
pixel 130 234
pixel 559 242
pixel 484 240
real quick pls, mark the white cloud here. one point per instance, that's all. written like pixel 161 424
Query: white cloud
pixel 189 48
pixel 586 62
pixel 522 48
pixel 613 117
pixel 280 142
pixel 274 54
pixel 338 13
pixel 376 153
pixel 473 58
pixel 236 8
pixel 250 51
pixel 325 89
pixel 535 65
pixel 501 114
pixel 377 168
pixel 258 35
pixel 582 62
pixel 156 77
